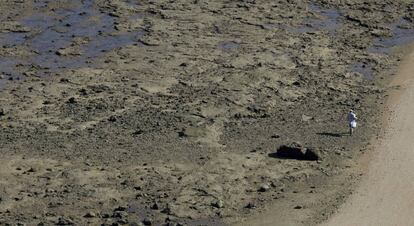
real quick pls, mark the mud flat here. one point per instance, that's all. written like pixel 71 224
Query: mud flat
pixel 170 112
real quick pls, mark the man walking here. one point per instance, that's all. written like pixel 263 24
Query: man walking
pixel 352 121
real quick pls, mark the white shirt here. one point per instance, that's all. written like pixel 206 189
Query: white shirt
pixel 351 117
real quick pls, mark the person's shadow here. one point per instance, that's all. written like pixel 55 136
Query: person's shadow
pixel 328 134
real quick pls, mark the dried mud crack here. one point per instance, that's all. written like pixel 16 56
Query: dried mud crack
pixel 168 112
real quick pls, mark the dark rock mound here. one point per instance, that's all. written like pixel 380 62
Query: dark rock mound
pixel 296 151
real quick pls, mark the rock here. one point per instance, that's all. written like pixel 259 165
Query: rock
pixel 60 52
pixel 136 224
pixel 49 190
pixel 166 210
pixel 264 188
pixel 296 151
pixel 306 118
pixel 120 208
pixel 113 14
pixel 182 134
pixel 64 80
pixel 29 73
pixel 381 33
pixel 120 214
pixel 112 119
pixel 218 204
pixel 155 206
pixel 149 40
pixel 138 188
pixel 122 221
pixel 68 51
pixel 311 155
pixel 106 215
pixel 64 221
pixel 275 136
pixel 31 170
pixel 147 221
pixel 298 207
pixel 277 184
pixel 71 100
pixel 90 215
pixel 138 132
pixel 250 205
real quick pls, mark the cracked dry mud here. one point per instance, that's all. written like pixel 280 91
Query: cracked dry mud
pixel 168 112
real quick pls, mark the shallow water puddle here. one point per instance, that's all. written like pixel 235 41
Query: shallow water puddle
pixel 66 37
pixel 228 45
pixel 363 69
pixel 403 33
pixel 12 39
pixel 327 20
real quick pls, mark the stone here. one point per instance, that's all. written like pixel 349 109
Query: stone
pixel 90 215
pixel 31 170
pixel 71 100
pixel 112 119
pixel 264 188
pixel 250 205
pixel 311 155
pixel 306 118
pixel 218 204
pixel 167 210
pixel 155 206
pixel 298 207
pixel 296 151
pixel 122 221
pixel 120 214
pixel 49 190
pixel 64 221
pixel 136 224
pixel 147 221
pixel 120 208
pixel 275 136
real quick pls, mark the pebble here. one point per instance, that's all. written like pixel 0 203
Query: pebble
pixel 298 207
pixel 120 214
pixel 264 188
pixel 64 221
pixel 275 136
pixel 147 221
pixel 155 206
pixel 250 205
pixel 90 215
pixel 218 204
pixel 120 208
pixel 72 100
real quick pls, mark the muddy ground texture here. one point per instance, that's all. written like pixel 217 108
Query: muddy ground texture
pixel 170 112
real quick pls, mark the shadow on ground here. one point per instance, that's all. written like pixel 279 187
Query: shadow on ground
pixel 329 134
